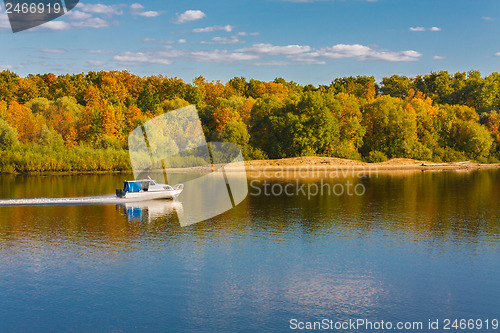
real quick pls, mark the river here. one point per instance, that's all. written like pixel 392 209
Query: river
pixel 406 247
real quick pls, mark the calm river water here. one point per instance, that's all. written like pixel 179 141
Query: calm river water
pixel 414 247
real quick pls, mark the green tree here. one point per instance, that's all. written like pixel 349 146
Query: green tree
pixel 236 132
pixel 308 128
pixel 50 138
pixel 396 86
pixel 8 86
pixel 489 97
pixel 8 136
pixel 391 128
pixel 471 138
pixel 148 100
pixel 351 130
pixel 239 85
pixel 359 86
pixel 39 105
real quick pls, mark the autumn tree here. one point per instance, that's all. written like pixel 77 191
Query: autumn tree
pixel 148 100
pixel 72 85
pixel 471 138
pixel 396 86
pixel 489 97
pixel 8 136
pixel 351 130
pixel 390 127
pixel 8 86
pixel 26 124
pixel 359 86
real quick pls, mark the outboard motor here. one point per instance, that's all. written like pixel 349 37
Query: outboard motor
pixel 120 193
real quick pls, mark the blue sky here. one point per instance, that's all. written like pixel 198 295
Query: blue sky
pixel 303 40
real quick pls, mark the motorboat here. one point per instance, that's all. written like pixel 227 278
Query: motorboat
pixel 148 189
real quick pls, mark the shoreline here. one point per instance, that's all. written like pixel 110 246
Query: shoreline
pixel 332 163
pixel 307 164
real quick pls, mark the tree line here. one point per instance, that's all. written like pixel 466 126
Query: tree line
pixel 54 123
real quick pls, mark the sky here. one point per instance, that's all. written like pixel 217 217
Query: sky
pixel 306 41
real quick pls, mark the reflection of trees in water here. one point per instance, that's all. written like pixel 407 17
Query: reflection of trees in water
pixel 36 186
pixel 429 204
pixel 440 206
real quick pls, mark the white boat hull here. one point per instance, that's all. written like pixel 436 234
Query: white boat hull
pixel 152 195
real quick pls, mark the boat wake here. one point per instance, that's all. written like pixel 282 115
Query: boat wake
pixel 100 200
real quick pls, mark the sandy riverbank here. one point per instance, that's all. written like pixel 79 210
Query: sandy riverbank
pixel 396 164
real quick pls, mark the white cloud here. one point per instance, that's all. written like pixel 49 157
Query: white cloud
pixel 100 9
pixel 137 9
pixel 149 13
pixel 56 25
pixel 84 17
pixel 53 50
pixel 227 28
pixel 272 63
pixel 161 41
pixel 6 67
pixel 96 62
pixel 361 53
pixel 87 16
pixel 189 15
pixel 168 54
pixel 163 56
pixel 100 51
pixel 438 58
pixel 391 56
pixel 248 33
pixel 270 49
pixel 223 40
pixel 309 61
pixel 487 18
pixel 78 15
pixel 344 51
pixel 95 22
pixel 136 6
pixel 221 56
pixel 497 54
pixel 265 54
pixel 4 20
pixel 424 29
pixel 140 57
pixel 147 40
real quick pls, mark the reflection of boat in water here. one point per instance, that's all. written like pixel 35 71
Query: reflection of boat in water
pixel 148 189
pixel 151 209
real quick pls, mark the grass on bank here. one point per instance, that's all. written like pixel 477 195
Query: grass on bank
pixel 33 158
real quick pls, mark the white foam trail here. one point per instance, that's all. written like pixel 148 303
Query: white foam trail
pixel 102 200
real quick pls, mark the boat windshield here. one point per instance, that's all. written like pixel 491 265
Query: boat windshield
pixel 137 185
pixel 132 186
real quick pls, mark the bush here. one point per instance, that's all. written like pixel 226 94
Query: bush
pixel 451 155
pixel 344 150
pixel 472 138
pixel 376 156
pixel 482 160
pixel 50 138
pixel 8 136
pixel 420 152
pixel 107 142
pixel 255 154
pixel 493 160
